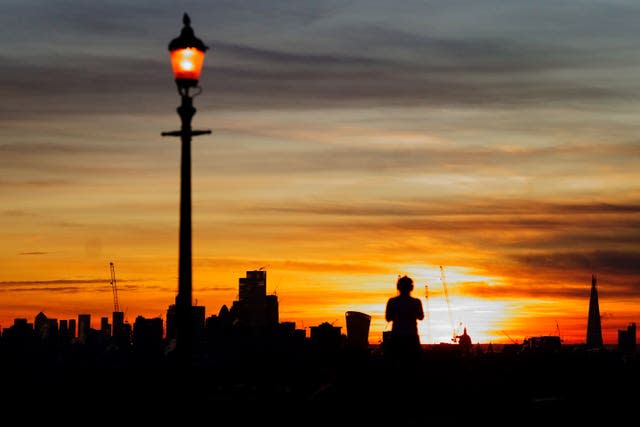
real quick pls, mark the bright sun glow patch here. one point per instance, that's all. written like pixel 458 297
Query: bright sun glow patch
pixel 430 275
pixel 480 316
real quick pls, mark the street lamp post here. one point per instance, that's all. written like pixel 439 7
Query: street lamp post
pixel 187 55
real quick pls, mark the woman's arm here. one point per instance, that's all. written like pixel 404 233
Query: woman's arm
pixel 420 312
pixel 389 312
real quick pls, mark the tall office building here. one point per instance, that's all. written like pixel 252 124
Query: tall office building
pixel 147 335
pixel 105 327
pixel 41 325
pixel 84 324
pixel 72 328
pixel 117 325
pixel 358 329
pixel 255 310
pixel 326 337
pixel 171 322
pixel 53 331
pixel 594 326
pixel 627 339
pixel 253 287
pixel 272 310
pixel 197 321
pixel 64 331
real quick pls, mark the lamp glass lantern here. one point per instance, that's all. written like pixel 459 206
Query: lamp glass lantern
pixel 187 56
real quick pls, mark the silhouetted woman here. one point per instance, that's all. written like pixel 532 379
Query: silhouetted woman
pixel 404 311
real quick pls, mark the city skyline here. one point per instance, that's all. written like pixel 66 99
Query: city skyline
pixel 426 334
pixel 352 142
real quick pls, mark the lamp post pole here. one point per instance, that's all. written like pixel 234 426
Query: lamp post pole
pixel 187 54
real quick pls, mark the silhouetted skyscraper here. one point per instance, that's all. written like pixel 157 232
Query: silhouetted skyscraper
pixel 72 328
pixel 84 324
pixel 358 329
pixel 105 327
pixel 41 325
pixel 171 322
pixel 124 340
pixel 273 310
pixel 326 337
pixel 119 331
pixel 627 339
pixel 20 333
pixel 197 318
pixel 64 331
pixel 147 335
pixel 594 327
pixel 253 288
pixel 52 330
pixel 256 310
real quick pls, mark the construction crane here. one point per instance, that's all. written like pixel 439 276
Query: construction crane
pixel 511 339
pixel 558 330
pixel 454 338
pixel 114 288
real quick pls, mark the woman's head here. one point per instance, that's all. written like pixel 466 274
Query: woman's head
pixel 405 285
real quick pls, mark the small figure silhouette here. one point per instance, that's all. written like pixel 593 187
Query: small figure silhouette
pixel 404 311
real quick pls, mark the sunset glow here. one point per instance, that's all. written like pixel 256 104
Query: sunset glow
pixel 348 147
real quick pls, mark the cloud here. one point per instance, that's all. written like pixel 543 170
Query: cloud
pixel 430 206
pixel 390 66
pixel 33 253
pixel 49 149
pixel 15 213
pixel 293 155
pixel 283 59
pixel 296 265
pixel 619 263
pixel 54 282
pixel 347 82
pixel 207 288
pixel 509 225
pixel 482 55
pixel 539 290
pixel 56 289
pixel 593 208
pixel 70 285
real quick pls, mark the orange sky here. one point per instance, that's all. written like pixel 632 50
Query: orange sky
pixel 518 259
pixel 347 148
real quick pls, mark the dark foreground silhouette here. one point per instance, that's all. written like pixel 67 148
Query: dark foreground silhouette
pixel 255 382
pixel 247 368
pixel 404 312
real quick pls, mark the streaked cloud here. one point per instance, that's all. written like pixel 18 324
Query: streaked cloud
pixel 611 262
pixel 309 266
pixel 53 282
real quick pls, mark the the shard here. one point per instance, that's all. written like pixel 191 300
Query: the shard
pixel 594 327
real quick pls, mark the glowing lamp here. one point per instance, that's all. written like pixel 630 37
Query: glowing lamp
pixel 187 65
pixel 187 56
